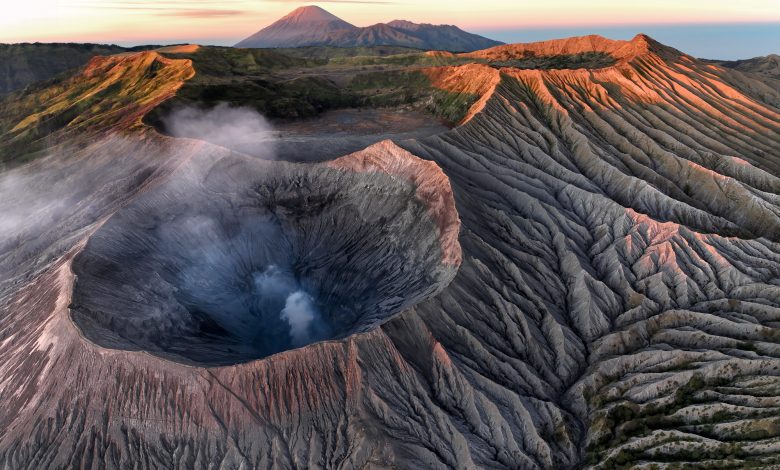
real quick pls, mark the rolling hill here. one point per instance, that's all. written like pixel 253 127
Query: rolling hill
pixel 766 65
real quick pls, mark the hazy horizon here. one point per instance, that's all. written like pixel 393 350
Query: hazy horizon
pixel 708 41
pixel 714 29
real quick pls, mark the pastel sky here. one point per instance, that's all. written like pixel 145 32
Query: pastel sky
pixel 754 25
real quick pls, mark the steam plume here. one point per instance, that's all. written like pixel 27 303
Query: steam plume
pixel 232 127
pixel 300 312
pixel 302 315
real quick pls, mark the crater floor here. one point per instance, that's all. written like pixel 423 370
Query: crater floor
pixel 327 136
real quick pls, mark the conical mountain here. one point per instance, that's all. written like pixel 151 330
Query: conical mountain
pixel 303 26
pixel 313 26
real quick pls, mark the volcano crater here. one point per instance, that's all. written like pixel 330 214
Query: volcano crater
pixel 242 259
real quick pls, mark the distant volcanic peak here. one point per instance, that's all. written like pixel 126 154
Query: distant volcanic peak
pixel 313 14
pixel 313 26
pixel 310 25
pixel 404 24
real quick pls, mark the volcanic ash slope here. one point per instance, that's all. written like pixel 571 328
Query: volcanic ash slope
pixel 617 302
pixel 622 226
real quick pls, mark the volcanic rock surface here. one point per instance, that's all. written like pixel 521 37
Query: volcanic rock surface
pixel 617 302
pixel 208 269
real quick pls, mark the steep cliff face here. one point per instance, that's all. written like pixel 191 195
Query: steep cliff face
pixel 616 302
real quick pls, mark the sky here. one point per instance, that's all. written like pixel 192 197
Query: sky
pixel 722 29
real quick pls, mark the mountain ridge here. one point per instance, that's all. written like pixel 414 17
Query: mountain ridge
pixel 24 63
pixel 768 65
pixel 314 26
pixel 616 305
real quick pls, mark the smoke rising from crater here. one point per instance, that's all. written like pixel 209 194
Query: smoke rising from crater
pixel 274 283
pixel 304 318
pixel 25 203
pixel 300 311
pixel 237 128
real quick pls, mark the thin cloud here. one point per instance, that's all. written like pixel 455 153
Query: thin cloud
pixel 145 3
pixel 361 2
pixel 203 13
pixel 166 8
pixel 184 8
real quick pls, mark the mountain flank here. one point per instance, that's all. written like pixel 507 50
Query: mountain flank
pixel 24 63
pixel 611 209
pixel 314 26
pixel 765 65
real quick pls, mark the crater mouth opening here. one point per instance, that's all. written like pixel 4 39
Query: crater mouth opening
pixel 245 259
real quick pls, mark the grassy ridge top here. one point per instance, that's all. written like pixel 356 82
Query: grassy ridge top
pixel 112 93
pixel 280 83
pixel 300 83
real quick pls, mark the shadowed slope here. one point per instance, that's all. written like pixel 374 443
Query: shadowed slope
pixel 767 65
pixel 617 304
pixel 622 224
pixel 25 63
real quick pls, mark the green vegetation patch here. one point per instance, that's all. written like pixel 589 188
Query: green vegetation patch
pixel 304 82
pixel 589 60
pixel 225 62
pixel 615 425
pixel 25 63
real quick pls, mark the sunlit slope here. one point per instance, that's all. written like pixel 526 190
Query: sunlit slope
pixel 25 63
pixel 111 93
pixel 622 227
pixel 658 132
pixel 617 306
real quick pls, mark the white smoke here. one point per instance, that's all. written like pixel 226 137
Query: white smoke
pixel 37 199
pixel 237 128
pixel 301 314
pixel 24 202
pixel 300 311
